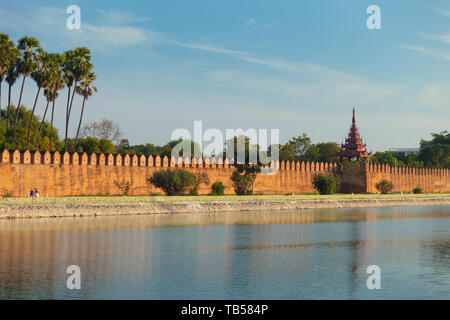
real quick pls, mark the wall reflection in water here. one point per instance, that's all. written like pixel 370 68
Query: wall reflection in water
pixel 258 255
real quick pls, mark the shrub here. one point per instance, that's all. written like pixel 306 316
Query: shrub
pixel 243 178
pixel 178 181
pixel 199 179
pixel 217 188
pixel 384 186
pixel 417 190
pixel 325 184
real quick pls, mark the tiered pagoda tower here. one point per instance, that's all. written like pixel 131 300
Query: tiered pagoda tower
pixel 353 146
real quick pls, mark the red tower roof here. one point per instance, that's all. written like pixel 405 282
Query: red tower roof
pixel 353 146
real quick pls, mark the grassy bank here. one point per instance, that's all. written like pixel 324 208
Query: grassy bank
pixel 105 200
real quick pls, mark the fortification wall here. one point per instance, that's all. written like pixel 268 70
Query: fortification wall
pixel 407 179
pixel 72 174
pixel 82 174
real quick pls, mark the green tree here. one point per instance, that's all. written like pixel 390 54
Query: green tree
pixel 384 186
pixel 177 182
pixel 8 59
pixel 86 89
pixel 11 76
pixel 217 189
pixel 301 144
pixel 27 63
pixel 51 79
pixel 6 140
pixel 42 78
pixel 387 158
pixel 327 151
pixel 287 152
pixel 92 145
pixel 436 152
pixel 325 184
pixel 241 146
pixel 312 154
pixel 243 178
pixel 56 83
pixel 77 66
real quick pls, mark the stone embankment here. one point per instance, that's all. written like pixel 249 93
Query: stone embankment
pixel 36 210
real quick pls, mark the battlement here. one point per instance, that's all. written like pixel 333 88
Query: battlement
pixel 71 174
pixel 119 160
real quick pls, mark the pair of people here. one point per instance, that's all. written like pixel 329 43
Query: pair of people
pixel 34 193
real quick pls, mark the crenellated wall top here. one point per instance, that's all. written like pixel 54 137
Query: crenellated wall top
pixel 84 159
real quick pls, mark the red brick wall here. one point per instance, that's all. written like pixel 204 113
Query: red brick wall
pixel 81 174
pixel 407 179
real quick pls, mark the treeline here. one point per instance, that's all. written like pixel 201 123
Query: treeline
pixel 105 137
pixel 432 153
pixel 51 72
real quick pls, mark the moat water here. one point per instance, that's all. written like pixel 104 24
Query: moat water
pixel 310 254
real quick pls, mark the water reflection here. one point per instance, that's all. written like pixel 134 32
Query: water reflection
pixel 277 255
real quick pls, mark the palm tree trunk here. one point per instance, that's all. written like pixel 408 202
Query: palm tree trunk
pixel 17 109
pixel 42 125
pixel 73 95
pixel 79 125
pixel 68 114
pixel 67 120
pixel 51 126
pixel 31 118
pixel 9 107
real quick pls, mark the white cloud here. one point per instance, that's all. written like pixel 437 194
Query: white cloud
pixel 440 54
pixel 50 24
pixel 116 17
pixel 252 22
pixel 436 96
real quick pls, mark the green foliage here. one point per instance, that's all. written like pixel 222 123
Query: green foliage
pixel 325 184
pixel 8 55
pixel 6 136
pixel 287 153
pixel 178 181
pixel 243 178
pixel 409 160
pixel 384 186
pixel 301 144
pixel 386 158
pixel 200 178
pixel 436 152
pixel 124 147
pixel 92 145
pixel 302 149
pixel 217 189
pixel 417 191
pixel 237 147
pixel 323 152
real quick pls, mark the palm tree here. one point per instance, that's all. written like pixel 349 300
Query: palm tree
pixel 11 78
pixel 48 93
pixel 68 79
pixel 86 90
pixel 7 59
pixel 76 67
pixel 54 82
pixel 27 64
pixel 41 77
pixel 5 62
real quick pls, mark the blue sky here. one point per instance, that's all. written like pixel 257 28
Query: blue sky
pixel 299 66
